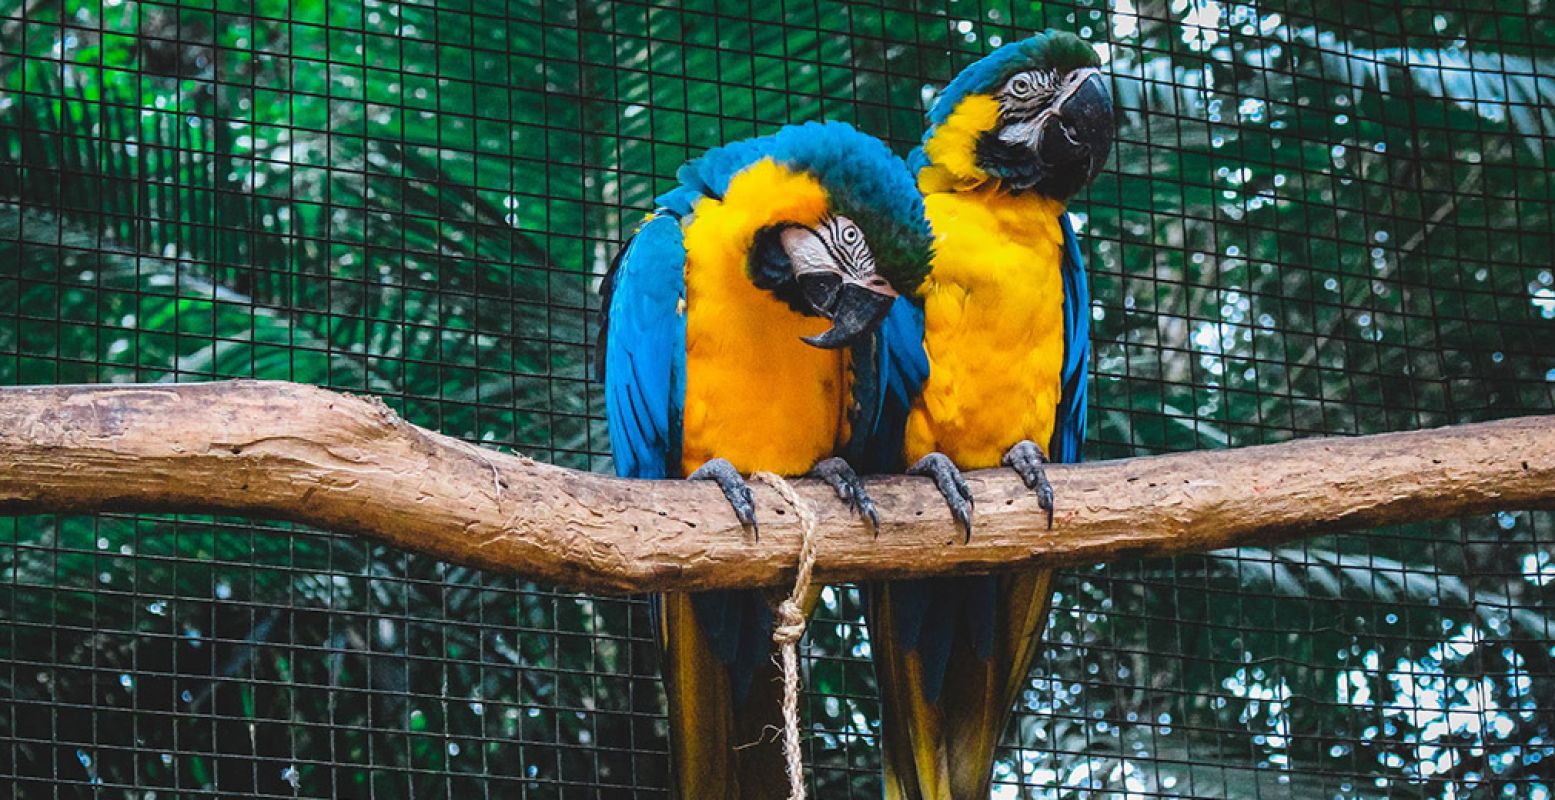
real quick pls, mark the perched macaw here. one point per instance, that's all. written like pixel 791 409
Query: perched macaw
pixel 742 328
pixel 1006 312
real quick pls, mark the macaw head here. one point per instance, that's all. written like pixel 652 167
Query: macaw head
pixel 1036 115
pixel 824 269
pixel 833 224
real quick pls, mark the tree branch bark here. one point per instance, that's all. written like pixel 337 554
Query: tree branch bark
pixel 293 452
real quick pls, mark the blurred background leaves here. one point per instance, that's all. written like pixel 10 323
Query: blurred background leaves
pixel 1317 221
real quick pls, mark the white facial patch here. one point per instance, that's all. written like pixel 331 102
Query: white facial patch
pixel 807 252
pixel 1021 132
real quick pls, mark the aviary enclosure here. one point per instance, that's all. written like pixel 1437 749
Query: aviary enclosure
pixel 1318 219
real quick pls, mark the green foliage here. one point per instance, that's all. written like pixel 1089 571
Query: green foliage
pixel 1312 224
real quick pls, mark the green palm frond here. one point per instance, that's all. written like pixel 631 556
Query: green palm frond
pixel 1151 88
pixel 1316 572
pixel 158 321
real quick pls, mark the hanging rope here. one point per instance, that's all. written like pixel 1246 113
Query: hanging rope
pixel 790 629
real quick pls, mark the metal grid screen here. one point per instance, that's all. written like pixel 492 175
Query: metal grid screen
pixel 1332 222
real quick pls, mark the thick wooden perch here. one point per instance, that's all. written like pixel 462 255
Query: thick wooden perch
pixel 286 451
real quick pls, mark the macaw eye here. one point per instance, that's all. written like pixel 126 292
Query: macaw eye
pixel 850 235
pixel 1020 86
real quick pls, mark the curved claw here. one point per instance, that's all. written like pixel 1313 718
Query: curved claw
pixel 1027 460
pixel 839 474
pixel 735 490
pixel 947 478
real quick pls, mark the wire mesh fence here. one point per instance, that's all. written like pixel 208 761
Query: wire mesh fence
pixel 1333 220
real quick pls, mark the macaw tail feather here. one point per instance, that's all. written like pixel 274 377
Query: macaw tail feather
pixel 940 726
pixel 911 727
pixel 725 738
pixel 980 707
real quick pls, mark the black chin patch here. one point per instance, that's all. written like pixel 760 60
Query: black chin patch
pixel 1013 164
pixel 1021 170
pixel 771 269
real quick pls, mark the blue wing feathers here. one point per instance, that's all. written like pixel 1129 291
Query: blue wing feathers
pixel 1069 425
pixel 916 161
pixel 900 368
pixel 645 352
pixel 906 365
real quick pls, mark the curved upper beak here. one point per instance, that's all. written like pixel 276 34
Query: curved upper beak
pixel 855 305
pixel 1077 126
pixel 1084 120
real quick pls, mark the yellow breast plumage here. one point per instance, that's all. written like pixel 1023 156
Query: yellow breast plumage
pixel 994 333
pixel 755 394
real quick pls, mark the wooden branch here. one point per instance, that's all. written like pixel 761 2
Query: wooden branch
pixel 286 451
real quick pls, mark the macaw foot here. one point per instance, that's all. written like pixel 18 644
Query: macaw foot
pixel 735 490
pixel 951 486
pixel 1027 460
pixel 839 474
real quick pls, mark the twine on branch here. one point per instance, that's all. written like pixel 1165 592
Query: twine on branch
pixel 790 629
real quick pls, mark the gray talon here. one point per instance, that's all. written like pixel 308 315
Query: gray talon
pixel 1027 460
pixel 839 474
pixel 735 490
pixel 947 478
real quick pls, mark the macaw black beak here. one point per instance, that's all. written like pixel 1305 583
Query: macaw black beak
pixel 1080 124
pixel 854 306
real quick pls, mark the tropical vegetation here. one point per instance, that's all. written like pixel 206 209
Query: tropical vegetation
pixel 1326 221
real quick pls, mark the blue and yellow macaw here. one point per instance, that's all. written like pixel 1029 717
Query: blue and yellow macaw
pixel 1006 312
pixel 743 332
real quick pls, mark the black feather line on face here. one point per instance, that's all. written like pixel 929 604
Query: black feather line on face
pixel 853 255
pixel 1027 94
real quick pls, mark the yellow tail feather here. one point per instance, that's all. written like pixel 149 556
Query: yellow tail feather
pixel 979 707
pixel 945 750
pixel 715 752
pixel 911 728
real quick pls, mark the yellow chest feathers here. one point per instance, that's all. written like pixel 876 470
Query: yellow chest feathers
pixel 755 394
pixel 993 327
